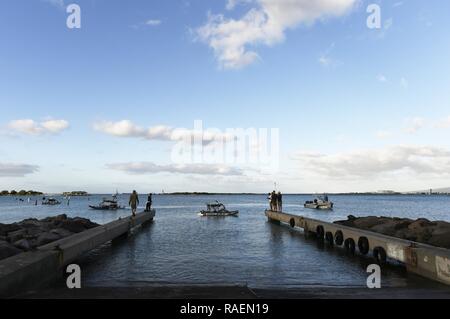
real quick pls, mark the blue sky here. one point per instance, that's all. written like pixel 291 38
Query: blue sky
pixel 357 109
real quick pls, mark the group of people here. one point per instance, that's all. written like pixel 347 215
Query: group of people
pixel 276 201
pixel 134 202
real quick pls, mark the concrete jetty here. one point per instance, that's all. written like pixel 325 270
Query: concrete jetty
pixel 424 260
pixel 38 268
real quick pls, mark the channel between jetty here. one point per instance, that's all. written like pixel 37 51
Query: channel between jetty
pixel 34 269
pixel 421 259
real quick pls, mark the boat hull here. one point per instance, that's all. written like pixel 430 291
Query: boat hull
pixel 219 214
pixel 319 207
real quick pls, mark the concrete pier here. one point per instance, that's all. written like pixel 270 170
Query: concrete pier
pixel 34 269
pixel 424 260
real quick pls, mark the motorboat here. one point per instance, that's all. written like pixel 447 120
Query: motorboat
pixel 321 202
pixel 51 202
pixel 217 209
pixel 108 204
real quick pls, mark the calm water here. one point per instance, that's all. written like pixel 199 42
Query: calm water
pixel 181 247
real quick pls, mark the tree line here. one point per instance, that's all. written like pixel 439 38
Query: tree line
pixel 20 193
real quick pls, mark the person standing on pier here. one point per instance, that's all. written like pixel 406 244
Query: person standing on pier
pixel 148 207
pixel 280 202
pixel 273 201
pixel 133 202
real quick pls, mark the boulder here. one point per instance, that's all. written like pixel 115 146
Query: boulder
pixel 46 238
pixel 402 223
pixel 23 244
pixel 8 250
pixel 73 226
pixel 55 218
pixel 387 228
pixel 77 225
pixel 440 240
pixel 35 231
pixel 8 228
pixel 369 222
pixel 420 224
pixel 16 235
pixel 407 234
pixel 30 223
pixel 421 230
pixel 61 232
pixel 86 222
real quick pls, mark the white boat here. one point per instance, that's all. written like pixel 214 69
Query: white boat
pixel 108 204
pixel 321 202
pixel 51 202
pixel 217 209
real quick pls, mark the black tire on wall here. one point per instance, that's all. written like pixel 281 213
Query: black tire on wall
pixel 320 232
pixel 329 238
pixel 363 245
pixel 350 246
pixel 292 222
pixel 339 238
pixel 380 255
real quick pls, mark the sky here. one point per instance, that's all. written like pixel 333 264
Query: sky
pixel 347 106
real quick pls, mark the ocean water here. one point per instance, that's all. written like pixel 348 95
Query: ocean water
pixel 180 247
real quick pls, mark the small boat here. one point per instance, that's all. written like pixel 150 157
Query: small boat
pixel 321 202
pixel 108 204
pixel 217 209
pixel 51 202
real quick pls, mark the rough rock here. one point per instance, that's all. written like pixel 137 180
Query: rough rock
pixel 7 228
pixel 436 233
pixel 61 232
pixel 46 238
pixel 440 240
pixel 16 235
pixel 368 222
pixel 23 244
pixel 385 228
pixel 77 225
pixel 8 250
pixel 31 233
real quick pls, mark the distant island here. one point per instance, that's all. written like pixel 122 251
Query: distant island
pixel 20 193
pixel 76 193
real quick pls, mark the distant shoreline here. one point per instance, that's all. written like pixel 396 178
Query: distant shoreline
pixel 233 194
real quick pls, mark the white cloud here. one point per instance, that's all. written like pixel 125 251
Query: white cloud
pixel 414 125
pixel 28 126
pixel 16 170
pixel 233 39
pixel 445 123
pixel 152 22
pixel 402 159
pixel 126 128
pixel 138 168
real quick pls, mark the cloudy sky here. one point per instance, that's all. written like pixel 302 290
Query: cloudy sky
pixel 102 107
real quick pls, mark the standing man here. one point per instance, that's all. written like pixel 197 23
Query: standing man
pixel 148 207
pixel 133 202
pixel 280 202
pixel 273 201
